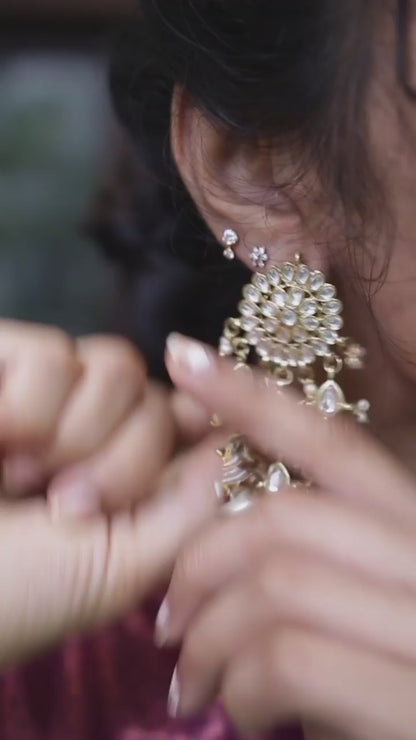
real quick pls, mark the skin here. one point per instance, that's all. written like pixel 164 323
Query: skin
pixel 80 419
pixel 232 184
pixel 305 606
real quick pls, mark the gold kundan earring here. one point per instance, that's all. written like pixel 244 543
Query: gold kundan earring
pixel 289 324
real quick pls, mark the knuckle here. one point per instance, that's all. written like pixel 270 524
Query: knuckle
pixel 89 585
pixel 265 589
pixel 276 581
pixel 189 569
pixel 57 356
pixel 193 652
pixel 333 436
pixel 22 423
pixel 117 359
pixel 285 660
pixel 59 344
pixel 265 519
pixel 290 664
pixel 16 427
pixel 115 373
pixel 116 581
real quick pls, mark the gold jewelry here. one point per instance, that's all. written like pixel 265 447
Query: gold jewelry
pixel 247 475
pixel 290 325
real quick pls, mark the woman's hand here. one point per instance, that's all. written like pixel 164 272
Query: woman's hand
pixel 58 580
pixel 79 417
pixel 305 606
pixel 82 417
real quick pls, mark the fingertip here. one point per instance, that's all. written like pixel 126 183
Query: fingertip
pixel 188 358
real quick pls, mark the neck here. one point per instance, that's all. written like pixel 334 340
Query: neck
pixel 386 381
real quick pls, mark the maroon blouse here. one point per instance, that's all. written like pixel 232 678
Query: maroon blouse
pixel 112 686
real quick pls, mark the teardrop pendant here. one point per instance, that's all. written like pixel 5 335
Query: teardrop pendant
pixel 330 398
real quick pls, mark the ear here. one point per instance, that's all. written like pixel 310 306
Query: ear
pixel 233 184
pixel 410 43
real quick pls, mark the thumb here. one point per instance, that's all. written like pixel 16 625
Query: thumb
pixel 58 580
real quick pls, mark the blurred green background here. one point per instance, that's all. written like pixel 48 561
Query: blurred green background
pixel 56 136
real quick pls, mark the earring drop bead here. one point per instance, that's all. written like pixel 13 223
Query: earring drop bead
pixel 229 254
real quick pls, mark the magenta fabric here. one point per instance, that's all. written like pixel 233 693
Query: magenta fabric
pixel 112 686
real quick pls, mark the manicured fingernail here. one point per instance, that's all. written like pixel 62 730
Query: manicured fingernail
pixel 161 636
pixel 219 490
pixel 74 499
pixel 216 422
pixel 189 354
pixel 22 473
pixel 174 698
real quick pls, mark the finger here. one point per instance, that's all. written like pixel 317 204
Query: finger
pixel 63 579
pixel 40 368
pixel 113 382
pixel 126 468
pixel 188 500
pixel 192 420
pixel 314 526
pixel 292 673
pixel 47 579
pixel 293 590
pixel 23 474
pixel 335 454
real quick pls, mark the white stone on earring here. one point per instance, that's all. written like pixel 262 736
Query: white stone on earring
pixel 259 256
pixel 230 239
pixel 229 254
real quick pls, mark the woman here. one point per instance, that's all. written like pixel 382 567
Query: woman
pixel 292 127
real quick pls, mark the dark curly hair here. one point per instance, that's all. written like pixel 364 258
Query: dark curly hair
pixel 288 71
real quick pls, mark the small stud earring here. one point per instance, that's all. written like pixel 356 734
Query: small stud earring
pixel 230 239
pixel 259 257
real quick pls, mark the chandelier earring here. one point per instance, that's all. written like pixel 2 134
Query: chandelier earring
pixel 290 325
